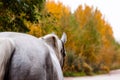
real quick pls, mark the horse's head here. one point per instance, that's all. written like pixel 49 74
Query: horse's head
pixel 58 46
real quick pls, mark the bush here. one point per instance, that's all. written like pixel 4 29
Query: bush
pixel 87 69
pixel 105 69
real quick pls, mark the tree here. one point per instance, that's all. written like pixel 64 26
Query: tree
pixel 55 17
pixel 14 12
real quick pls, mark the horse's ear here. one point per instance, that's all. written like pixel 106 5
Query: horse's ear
pixel 64 38
pixel 51 40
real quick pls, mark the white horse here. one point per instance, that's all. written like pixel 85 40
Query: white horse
pixel 25 57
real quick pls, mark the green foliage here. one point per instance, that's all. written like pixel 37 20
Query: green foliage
pixel 49 23
pixel 14 12
pixel 90 41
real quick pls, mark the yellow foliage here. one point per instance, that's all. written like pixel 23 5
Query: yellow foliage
pixel 104 29
pixel 105 68
pixel 107 55
pixel 35 29
pixel 87 69
pixel 83 15
pixel 56 9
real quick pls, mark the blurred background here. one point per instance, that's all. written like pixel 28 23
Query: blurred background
pixel 91 47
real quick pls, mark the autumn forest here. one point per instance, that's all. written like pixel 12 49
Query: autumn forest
pixel 91 47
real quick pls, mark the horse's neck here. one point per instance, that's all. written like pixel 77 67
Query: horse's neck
pixel 56 63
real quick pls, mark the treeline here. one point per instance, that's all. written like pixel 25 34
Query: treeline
pixel 91 47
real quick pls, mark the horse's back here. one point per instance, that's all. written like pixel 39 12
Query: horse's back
pixel 29 59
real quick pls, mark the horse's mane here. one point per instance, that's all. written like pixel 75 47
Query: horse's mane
pixel 51 35
pixel 53 41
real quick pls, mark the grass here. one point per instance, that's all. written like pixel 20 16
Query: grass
pixel 77 74
pixel 74 74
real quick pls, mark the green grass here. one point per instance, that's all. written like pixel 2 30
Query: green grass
pixel 74 74
pixel 77 74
